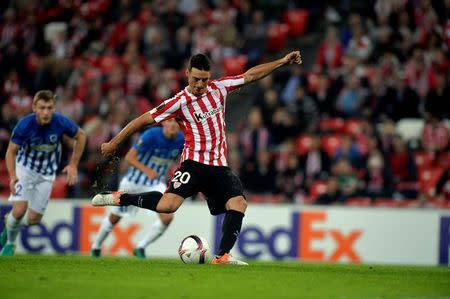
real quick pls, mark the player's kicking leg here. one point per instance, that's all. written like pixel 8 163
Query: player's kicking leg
pixel 105 229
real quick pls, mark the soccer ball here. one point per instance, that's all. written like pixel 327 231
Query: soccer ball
pixel 194 250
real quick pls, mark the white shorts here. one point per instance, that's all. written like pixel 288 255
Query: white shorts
pixel 34 188
pixel 130 187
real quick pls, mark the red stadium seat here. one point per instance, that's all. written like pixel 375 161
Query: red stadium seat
pixel 424 159
pixel 352 126
pixel 358 201
pixel 277 35
pixel 235 65
pixel 410 203
pixel 303 144
pixel 428 179
pixel 297 20
pixel 387 202
pixel 60 188
pixel 316 189
pixel 334 125
pixel 331 143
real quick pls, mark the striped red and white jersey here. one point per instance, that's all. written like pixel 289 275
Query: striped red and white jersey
pixel 202 120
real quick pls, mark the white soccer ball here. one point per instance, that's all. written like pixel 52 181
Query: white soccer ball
pixel 195 250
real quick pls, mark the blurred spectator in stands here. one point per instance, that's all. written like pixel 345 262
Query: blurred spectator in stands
pixel 315 164
pixel 254 137
pixel 323 96
pixel 21 101
pixel 354 21
pixel 245 9
pixel 330 54
pixel 91 107
pixel 402 164
pixel 441 61
pixel 267 103
pixel 378 181
pixel 419 76
pixel 173 16
pixel 435 135
pixel 295 78
pixel 437 99
pixel 333 195
pixel 360 45
pixel 254 36
pixel 405 103
pixel 9 28
pixel 69 105
pixel 11 85
pixel 346 178
pixel 380 97
pixel 156 45
pixel 389 66
pixel 387 134
pixel 351 98
pixel 305 111
pixel 259 178
pixel 289 180
pixel 179 53
pixel 349 151
pixel 282 126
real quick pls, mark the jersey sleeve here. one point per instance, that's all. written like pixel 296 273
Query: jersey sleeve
pixel 166 110
pixel 231 82
pixel 19 134
pixel 70 128
pixel 144 141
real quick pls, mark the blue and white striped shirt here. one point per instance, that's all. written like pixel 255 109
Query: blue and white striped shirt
pixel 40 145
pixel 157 152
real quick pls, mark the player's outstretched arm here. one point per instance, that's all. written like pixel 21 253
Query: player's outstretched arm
pixel 262 70
pixel 10 158
pixel 132 127
pixel 132 158
pixel 72 168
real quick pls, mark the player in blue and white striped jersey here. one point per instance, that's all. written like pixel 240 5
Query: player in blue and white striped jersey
pixel 32 159
pixel 149 159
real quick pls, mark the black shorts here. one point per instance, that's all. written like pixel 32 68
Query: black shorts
pixel 217 183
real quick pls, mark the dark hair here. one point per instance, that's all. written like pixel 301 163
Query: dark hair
pixel 200 61
pixel 45 95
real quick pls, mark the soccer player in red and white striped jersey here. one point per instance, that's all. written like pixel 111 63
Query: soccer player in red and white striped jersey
pixel 199 110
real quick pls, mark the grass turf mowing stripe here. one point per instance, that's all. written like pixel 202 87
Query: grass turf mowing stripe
pixel 48 277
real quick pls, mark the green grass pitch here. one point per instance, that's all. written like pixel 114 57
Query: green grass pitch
pixel 48 277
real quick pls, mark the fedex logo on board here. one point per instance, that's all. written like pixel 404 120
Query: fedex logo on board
pixel 303 239
pixel 72 233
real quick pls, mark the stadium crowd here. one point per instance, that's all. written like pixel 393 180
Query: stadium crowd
pixel 366 124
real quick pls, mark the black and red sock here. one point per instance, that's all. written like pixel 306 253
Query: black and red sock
pixel 146 200
pixel 231 227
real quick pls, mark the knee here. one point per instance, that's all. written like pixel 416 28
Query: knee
pixel 34 220
pixel 168 208
pixel 166 218
pixel 238 204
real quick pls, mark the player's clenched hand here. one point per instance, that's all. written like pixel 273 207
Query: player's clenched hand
pixel 293 57
pixel 12 184
pixel 108 149
pixel 72 174
pixel 151 174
